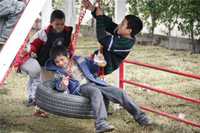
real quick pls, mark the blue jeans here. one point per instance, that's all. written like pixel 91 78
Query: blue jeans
pixel 96 92
pixel 10 10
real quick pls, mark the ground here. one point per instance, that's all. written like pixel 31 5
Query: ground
pixel 15 117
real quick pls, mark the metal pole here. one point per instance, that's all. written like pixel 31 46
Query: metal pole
pixel 120 11
pixel 159 90
pixel 70 12
pixel 171 116
pixel 121 76
pixel 46 12
pixel 164 69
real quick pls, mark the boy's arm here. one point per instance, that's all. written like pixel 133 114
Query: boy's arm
pixel 104 23
pixel 116 43
pixel 108 24
pixel 36 42
pixel 93 67
pixel 61 83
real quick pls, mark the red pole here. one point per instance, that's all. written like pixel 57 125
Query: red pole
pixel 121 76
pixel 164 69
pixel 159 90
pixel 171 116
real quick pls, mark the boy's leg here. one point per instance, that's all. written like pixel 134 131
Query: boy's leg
pixel 2 23
pixel 90 91
pixel 116 95
pixel 107 103
pixel 33 69
pixel 4 12
pixel 11 14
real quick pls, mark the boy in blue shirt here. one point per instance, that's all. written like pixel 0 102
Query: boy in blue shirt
pixel 78 76
pixel 117 40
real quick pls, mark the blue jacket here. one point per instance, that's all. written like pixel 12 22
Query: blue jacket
pixel 88 67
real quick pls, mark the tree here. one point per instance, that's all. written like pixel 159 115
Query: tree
pixel 133 6
pixel 108 6
pixel 190 24
pixel 170 14
pixel 58 4
pixel 148 10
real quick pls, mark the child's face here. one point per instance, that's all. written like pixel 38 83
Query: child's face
pixel 58 25
pixel 61 61
pixel 122 28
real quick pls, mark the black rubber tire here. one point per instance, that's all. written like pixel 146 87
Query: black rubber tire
pixel 59 103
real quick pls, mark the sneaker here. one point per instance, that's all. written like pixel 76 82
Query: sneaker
pixel 104 127
pixel 2 43
pixel 1 46
pixel 31 102
pixel 145 121
pixel 39 113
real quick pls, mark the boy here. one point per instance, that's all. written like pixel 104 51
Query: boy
pixel 38 48
pixel 83 81
pixel 10 10
pixel 117 40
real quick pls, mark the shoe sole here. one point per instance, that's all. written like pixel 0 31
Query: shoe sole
pixel 107 130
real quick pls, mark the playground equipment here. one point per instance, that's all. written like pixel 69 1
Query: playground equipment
pixel 122 80
pixel 47 98
pixel 62 104
pixel 19 34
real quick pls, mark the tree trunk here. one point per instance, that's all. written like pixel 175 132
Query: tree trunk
pixel 153 21
pixel 169 31
pixel 169 34
pixel 192 37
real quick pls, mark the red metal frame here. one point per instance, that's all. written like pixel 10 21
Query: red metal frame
pixel 164 69
pixel 159 90
pixel 121 76
pixel 171 116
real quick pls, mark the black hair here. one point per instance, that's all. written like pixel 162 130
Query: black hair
pixel 134 23
pixel 56 51
pixel 57 14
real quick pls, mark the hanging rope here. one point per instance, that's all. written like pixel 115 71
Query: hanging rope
pixel 77 31
pixel 101 72
pixel 76 34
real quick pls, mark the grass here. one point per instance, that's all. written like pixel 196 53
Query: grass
pixel 15 117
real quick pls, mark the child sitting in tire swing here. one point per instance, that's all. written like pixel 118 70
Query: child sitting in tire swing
pixel 116 40
pixel 39 47
pixel 78 76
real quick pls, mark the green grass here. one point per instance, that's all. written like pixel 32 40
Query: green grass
pixel 15 117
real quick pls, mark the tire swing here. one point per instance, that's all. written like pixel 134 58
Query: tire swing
pixel 63 104
pixel 59 103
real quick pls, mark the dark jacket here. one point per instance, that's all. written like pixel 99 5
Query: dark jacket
pixel 115 47
pixel 45 39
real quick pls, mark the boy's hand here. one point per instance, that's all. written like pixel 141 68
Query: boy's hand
pixel 99 11
pixel 88 5
pixel 33 55
pixel 65 82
